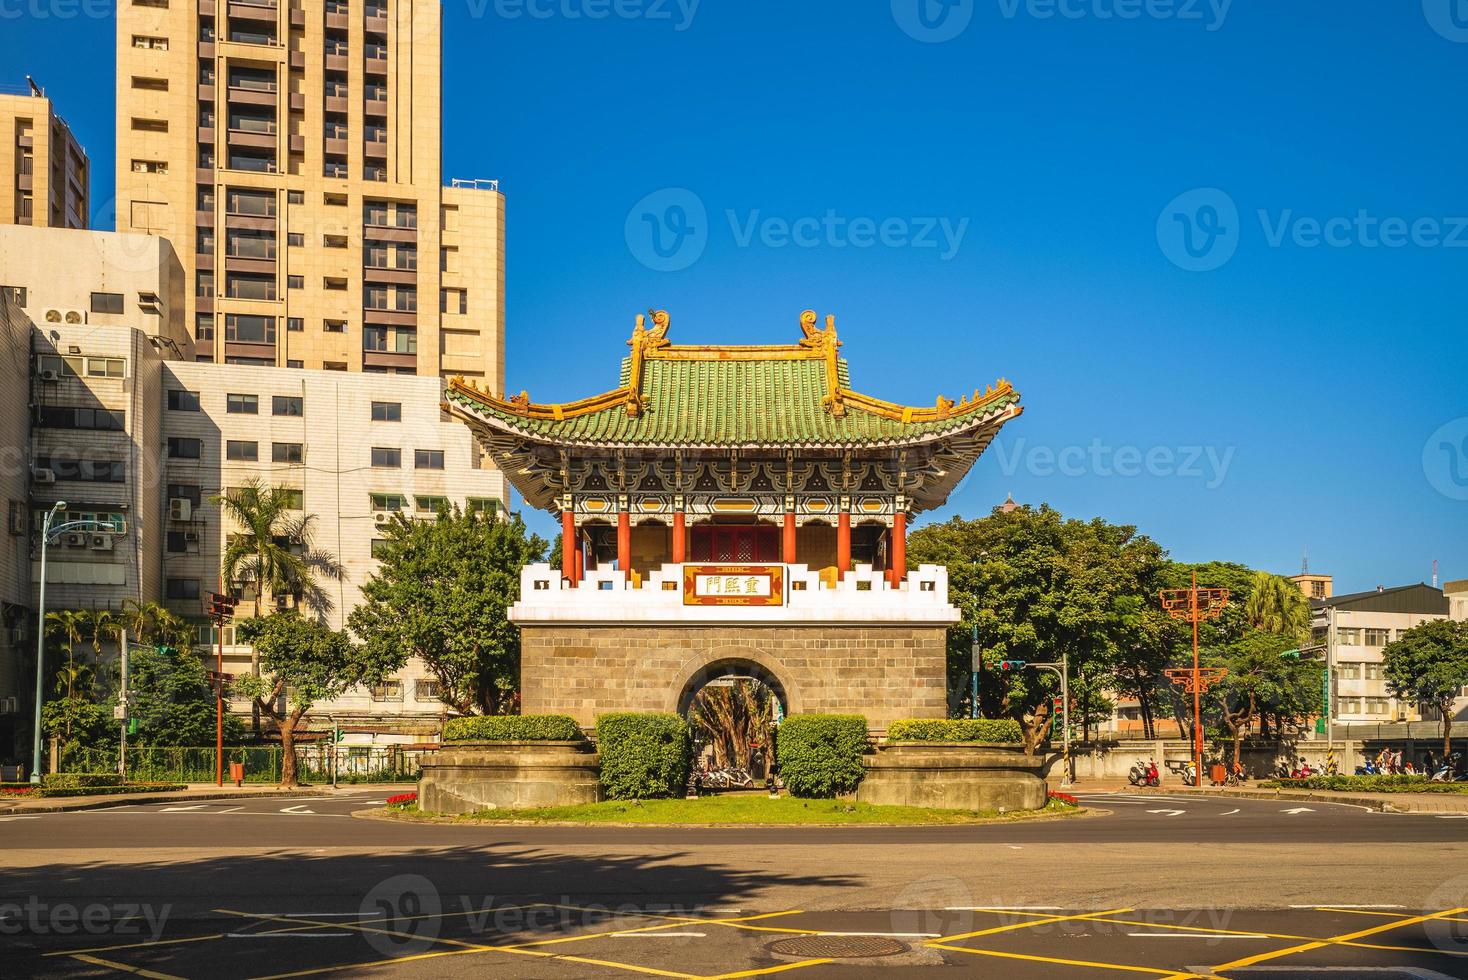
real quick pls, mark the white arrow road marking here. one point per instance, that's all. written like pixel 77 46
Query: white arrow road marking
pixel 301 809
pixel 1230 813
pixel 1298 809
pixel 231 809
pixel 181 809
pixel 1169 813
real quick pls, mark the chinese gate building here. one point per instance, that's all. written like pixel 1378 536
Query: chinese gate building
pixel 734 511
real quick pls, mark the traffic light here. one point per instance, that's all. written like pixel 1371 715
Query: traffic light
pixel 221 606
pixel 1012 664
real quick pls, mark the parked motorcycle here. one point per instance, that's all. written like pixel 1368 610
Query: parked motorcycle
pixel 1144 774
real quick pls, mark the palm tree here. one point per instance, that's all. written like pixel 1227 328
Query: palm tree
pixel 1276 605
pixel 272 551
pixel 69 625
pixel 152 623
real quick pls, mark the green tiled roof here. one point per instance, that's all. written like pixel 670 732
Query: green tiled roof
pixel 733 402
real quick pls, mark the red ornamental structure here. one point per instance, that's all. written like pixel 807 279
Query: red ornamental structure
pixel 1195 605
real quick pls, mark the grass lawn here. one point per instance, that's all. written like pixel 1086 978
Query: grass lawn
pixel 748 809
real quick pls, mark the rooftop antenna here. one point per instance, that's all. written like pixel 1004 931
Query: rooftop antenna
pixel 1305 560
pixel 1434 573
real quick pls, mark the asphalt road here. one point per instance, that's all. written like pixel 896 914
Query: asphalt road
pixel 1156 886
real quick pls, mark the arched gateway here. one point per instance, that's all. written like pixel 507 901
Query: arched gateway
pixel 734 506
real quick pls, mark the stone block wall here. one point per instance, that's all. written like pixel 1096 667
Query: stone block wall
pixel 882 672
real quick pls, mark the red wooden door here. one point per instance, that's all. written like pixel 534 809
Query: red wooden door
pixel 735 544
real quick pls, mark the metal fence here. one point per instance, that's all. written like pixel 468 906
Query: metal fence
pixel 314 763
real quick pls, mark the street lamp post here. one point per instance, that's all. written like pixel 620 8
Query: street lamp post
pixel 47 533
pixel 1194 605
pixel 1062 670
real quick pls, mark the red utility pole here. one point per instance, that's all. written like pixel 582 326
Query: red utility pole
pixel 221 610
pixel 1194 605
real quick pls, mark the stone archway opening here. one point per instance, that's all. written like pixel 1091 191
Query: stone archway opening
pixel 732 707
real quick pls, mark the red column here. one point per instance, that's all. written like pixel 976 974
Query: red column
pixel 680 538
pixel 569 567
pixel 787 551
pixel 624 541
pixel 843 543
pixel 898 571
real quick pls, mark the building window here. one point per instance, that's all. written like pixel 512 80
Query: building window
pixel 1373 671
pixel 85 470
pixel 106 302
pixel 286 452
pixel 68 417
pixel 333 365
pixel 150 43
pixel 334 326
pixel 333 282
pixel 182 588
pixel 387 458
pixel 428 459
pixel 295 239
pixel 389 501
pixel 242 404
pixel 453 301
pixel 387 411
pixel 249 329
pixel 180 542
pixel 295 197
pixel 285 405
pixel 181 448
pixel 425 689
pixel 191 492
pixel 183 401
pixel 295 324
pixel 293 499
pixel 431 504
pixel 334 241
pixel 106 367
pixel 379 547
pixel 293 363
pixel 150 125
pixel 16 294
pixel 295 282
pixel 1348 636
pixel 150 167
pixel 204 326
pixel 388 691
pixel 246 452
pixel 1348 670
pixel 487 506
pixel 1378 637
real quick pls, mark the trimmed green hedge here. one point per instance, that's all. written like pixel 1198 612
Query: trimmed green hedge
pixel 512 728
pixel 954 730
pixel 110 790
pixel 1368 784
pixel 80 780
pixel 820 755
pixel 643 755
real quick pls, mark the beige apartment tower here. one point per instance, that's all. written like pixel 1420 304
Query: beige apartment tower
pixel 43 169
pixel 290 149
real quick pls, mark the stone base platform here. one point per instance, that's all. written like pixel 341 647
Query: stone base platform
pixel 954 775
pixel 463 777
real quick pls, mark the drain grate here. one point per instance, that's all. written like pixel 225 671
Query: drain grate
pixel 837 946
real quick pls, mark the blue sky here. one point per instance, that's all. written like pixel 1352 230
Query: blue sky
pixel 1218 246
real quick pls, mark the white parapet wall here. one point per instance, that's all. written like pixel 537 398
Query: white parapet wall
pixel 607 597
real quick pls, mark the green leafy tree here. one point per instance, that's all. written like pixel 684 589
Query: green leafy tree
pixel 442 593
pixel 1276 605
pixel 78 722
pixel 303 662
pixel 1259 677
pixel 170 696
pixel 1037 586
pixel 1429 665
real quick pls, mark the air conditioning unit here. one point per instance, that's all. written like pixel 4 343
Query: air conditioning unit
pixel 180 508
pixel 191 536
pixel 76 540
pixel 65 316
pixel 50 374
pixel 383 517
pixel 42 475
pixel 103 542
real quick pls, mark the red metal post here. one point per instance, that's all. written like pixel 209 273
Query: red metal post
pixel 624 541
pixel 787 551
pixel 219 703
pixel 843 542
pixel 898 571
pixel 1197 691
pixel 569 567
pixel 680 538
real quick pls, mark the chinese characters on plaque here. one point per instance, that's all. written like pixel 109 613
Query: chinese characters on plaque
pixel 733 585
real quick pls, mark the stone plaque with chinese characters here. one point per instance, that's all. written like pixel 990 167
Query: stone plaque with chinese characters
pixel 733 585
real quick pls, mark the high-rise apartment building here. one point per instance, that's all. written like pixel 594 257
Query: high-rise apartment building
pixel 43 169
pixel 290 149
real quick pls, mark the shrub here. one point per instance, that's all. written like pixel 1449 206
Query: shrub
pixel 1063 798
pixel 643 755
pixel 1399 783
pixel 954 730
pixel 820 755
pixel 403 801
pixel 511 728
pixel 52 791
pixel 80 780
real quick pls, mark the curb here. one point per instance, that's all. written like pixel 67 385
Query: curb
pixel 449 820
pixel 126 799
pixel 1314 796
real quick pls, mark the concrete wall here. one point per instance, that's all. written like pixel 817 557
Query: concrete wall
pixel 882 672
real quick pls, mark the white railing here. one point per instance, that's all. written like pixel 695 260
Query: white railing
pixel 606 596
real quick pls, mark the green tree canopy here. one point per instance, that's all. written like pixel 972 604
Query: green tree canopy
pixel 303 662
pixel 1429 665
pixel 442 593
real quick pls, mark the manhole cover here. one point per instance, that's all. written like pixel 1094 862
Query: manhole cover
pixel 837 946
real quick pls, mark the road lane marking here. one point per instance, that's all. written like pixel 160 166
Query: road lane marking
pixel 1169 813
pixel 1326 908
pixel 182 809
pixel 659 935
pixel 1004 908
pixel 1153 971
pixel 1297 810
pixel 886 935
pixel 1230 813
pixel 1347 937
pixel 1041 921
pixel 298 809
pixel 7 819
pixel 286 935
pixel 109 964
